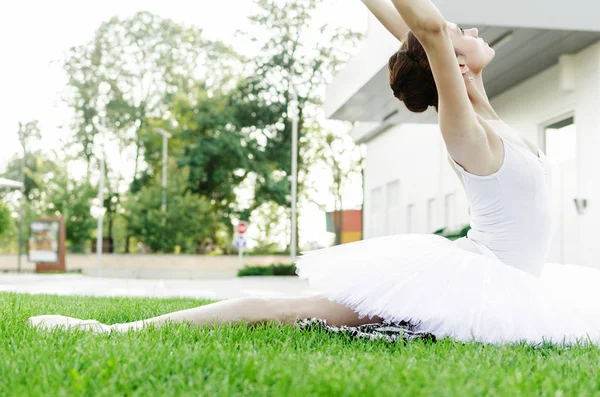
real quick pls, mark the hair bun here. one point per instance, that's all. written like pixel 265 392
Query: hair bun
pixel 411 79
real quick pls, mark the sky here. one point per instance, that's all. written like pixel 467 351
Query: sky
pixel 35 35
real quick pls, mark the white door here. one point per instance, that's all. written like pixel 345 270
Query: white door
pixel 377 211
pixel 561 149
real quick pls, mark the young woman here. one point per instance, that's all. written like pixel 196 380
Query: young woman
pixel 492 286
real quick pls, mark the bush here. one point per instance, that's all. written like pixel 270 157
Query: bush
pixel 280 269
pixel 283 269
pixel 265 252
pixel 453 234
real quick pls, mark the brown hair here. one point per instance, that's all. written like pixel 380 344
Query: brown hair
pixel 411 78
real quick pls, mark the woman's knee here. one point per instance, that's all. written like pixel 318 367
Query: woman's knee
pixel 288 309
pixel 261 309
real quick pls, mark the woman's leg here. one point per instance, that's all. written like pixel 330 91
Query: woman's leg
pixel 257 310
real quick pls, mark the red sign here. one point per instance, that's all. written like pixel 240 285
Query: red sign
pixel 241 227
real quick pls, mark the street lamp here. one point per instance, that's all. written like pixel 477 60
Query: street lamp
pixel 99 210
pixel 26 132
pixel 293 114
pixel 166 137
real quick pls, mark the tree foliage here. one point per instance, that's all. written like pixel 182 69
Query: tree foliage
pixel 187 222
pixel 124 81
pixel 216 151
pixel 290 66
pixel 5 219
pixel 50 190
pixel 228 116
pixel 145 60
pixel 342 158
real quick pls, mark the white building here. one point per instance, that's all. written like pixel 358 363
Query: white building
pixel 544 81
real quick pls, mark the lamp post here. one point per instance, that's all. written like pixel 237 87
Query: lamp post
pixel 97 211
pixel 100 210
pixel 293 113
pixel 166 137
pixel 26 132
pixel 22 206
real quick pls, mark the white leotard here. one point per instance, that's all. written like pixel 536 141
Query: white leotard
pixel 511 209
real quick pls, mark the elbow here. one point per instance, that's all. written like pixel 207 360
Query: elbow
pixel 431 27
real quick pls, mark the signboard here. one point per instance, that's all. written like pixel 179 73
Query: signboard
pixel 240 242
pixel 43 241
pixel 241 227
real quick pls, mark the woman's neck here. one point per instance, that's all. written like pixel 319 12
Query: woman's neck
pixel 479 99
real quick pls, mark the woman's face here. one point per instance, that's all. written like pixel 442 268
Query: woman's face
pixel 476 52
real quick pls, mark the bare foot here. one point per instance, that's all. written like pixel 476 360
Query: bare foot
pixel 56 321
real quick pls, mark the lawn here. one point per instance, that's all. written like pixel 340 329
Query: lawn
pixel 262 361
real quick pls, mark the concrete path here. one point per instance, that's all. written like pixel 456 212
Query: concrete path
pixel 77 284
pixel 151 266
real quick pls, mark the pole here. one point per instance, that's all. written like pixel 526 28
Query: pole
pixel 105 88
pixel 166 137
pixel 164 174
pixel 100 219
pixel 22 208
pixel 294 176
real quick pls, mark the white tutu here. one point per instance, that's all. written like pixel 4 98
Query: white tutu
pixel 451 292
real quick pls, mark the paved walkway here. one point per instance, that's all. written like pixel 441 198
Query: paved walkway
pixel 77 284
pixel 152 266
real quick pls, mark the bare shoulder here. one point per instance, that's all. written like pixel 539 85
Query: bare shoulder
pixel 480 152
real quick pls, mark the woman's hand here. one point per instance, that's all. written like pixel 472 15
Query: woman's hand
pixel 389 17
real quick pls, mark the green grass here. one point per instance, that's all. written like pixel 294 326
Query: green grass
pixel 266 360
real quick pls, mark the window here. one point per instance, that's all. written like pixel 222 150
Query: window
pixel 377 213
pixel 450 210
pixel 561 148
pixel 411 219
pixel 431 221
pixel 392 215
pixel 561 141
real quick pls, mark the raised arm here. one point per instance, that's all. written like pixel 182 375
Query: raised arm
pixel 462 133
pixel 389 17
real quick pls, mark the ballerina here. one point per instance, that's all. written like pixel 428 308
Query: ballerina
pixel 493 285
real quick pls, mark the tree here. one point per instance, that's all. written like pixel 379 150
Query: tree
pixel 289 63
pixel 187 222
pixel 5 219
pixel 215 148
pixel 267 219
pixel 34 166
pixel 71 199
pixel 27 133
pixel 343 158
pixel 146 61
pixel 51 191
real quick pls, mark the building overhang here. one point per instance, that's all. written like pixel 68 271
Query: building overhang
pixel 527 41
pixel 9 183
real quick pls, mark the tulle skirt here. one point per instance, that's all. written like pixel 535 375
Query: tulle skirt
pixel 449 291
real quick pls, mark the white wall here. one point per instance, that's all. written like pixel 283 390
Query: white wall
pixel 545 98
pixel 413 155
pixel 407 179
